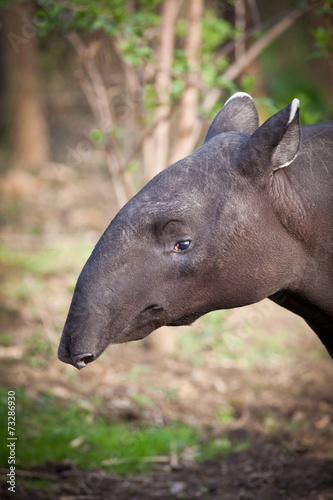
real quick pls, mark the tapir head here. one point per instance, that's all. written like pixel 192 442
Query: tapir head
pixel 204 234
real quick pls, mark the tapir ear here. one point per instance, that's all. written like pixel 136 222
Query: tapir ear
pixel 275 144
pixel 239 114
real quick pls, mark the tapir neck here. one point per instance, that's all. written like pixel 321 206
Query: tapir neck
pixel 303 198
pixel 302 192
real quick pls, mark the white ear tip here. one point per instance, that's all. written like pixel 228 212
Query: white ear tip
pixel 294 107
pixel 239 95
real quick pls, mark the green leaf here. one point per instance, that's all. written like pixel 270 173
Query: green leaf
pixel 257 34
pixel 226 84
pixel 181 28
pixel 221 64
pixel 215 31
pixel 180 62
pixel 177 88
pixel 110 16
pixel 144 52
pixel 118 132
pixel 150 97
pixel 209 76
pixel 100 22
pixel 97 135
pixel 142 400
pixel 247 84
pixel 322 43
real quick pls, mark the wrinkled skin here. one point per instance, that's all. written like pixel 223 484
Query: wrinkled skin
pixel 246 216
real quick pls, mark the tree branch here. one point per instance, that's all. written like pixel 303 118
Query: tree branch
pixel 254 51
pixel 240 25
pixel 97 98
pixel 188 121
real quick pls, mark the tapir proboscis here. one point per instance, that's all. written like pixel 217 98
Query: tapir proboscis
pixel 248 215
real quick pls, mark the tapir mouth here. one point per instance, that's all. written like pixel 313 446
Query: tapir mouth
pixel 147 320
pixel 150 312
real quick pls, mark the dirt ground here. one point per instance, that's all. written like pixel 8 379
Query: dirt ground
pixel 280 399
pixel 241 476
pixel 284 408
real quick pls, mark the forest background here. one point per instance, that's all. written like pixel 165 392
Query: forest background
pixel 96 98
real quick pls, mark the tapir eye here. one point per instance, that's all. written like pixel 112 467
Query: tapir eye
pixel 181 246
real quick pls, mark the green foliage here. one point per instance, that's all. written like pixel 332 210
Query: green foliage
pixel 248 343
pixel 38 483
pixel 210 75
pixel 6 339
pixel 177 87
pixel 6 3
pixel 209 336
pixel 79 14
pixel 326 8
pixel 172 394
pixel 113 18
pixel 291 76
pixel 150 98
pixel 248 82
pixel 136 371
pixel 221 63
pixel 38 350
pixel 48 430
pixel 217 447
pixel 181 28
pixel 118 132
pixel 323 34
pixel 215 32
pixel 133 52
pixel 97 136
pixel 180 63
pixel 224 416
pixel 142 400
pixel 130 26
pixel 42 262
pixel 322 43
pixel 271 422
pixel 269 105
pixel 130 29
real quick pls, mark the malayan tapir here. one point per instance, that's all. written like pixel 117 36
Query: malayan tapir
pixel 246 216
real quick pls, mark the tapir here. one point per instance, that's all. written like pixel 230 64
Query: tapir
pixel 246 216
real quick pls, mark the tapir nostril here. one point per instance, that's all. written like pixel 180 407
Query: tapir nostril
pixel 82 360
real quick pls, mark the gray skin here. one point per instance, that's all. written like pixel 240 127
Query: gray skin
pixel 246 216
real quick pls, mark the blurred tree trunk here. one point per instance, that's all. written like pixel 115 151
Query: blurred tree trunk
pixel 157 144
pixel 29 137
pixel 189 103
pixel 240 26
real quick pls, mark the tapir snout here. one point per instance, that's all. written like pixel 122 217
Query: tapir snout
pixel 240 219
